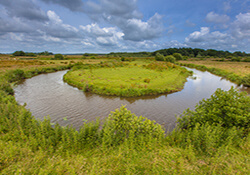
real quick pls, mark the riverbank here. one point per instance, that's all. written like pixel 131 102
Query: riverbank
pixel 126 144
pixel 129 80
pixel 237 72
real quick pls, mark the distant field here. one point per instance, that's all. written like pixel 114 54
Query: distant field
pixel 9 64
pixel 239 68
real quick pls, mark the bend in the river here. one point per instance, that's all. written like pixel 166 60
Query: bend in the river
pixel 48 95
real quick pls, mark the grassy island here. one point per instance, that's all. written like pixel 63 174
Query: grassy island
pixel 128 80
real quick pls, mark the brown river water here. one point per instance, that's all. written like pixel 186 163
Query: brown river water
pixel 48 95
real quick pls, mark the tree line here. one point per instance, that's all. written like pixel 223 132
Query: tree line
pixel 31 54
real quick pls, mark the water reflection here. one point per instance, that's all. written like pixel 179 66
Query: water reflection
pixel 47 94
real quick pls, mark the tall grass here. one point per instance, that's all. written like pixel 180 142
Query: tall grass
pixel 223 73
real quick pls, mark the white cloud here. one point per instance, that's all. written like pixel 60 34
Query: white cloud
pixel 198 36
pixel 17 37
pixel 216 18
pixel 237 36
pixel 108 36
pixel 206 39
pixel 137 30
pixel 54 17
pixel 24 9
pixel 56 28
pixel 125 16
pixel 94 29
pixel 241 26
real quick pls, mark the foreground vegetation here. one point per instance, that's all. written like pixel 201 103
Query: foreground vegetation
pixel 212 139
pixel 117 78
pixel 127 144
pixel 235 72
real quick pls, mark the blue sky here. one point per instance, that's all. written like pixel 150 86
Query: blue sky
pixel 103 26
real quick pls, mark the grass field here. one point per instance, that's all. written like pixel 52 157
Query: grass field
pixel 131 80
pixel 239 68
pixel 237 72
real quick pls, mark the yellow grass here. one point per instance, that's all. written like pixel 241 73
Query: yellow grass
pixel 239 68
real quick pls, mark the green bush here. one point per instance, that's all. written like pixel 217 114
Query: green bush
pixel 122 125
pixel 19 53
pixel 226 108
pixel 6 87
pixel 15 75
pixel 178 56
pixel 170 59
pixel 236 59
pixel 246 59
pixel 159 57
pixel 58 57
pixel 246 80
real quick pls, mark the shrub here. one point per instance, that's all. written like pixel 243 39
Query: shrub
pixel 246 59
pixel 19 53
pixel 226 108
pixel 159 57
pixel 246 80
pixel 170 58
pixel 15 75
pixel 58 57
pixel 236 59
pixel 146 80
pixel 92 57
pixel 122 125
pixel 30 54
pixel 5 86
pixel 178 56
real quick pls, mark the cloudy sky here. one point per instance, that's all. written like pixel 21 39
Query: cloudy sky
pixel 103 26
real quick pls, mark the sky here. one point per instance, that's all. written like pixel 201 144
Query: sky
pixel 103 26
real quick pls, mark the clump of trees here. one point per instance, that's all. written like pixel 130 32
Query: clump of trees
pixel 201 53
pixel 168 58
pixel 31 54
pixel 58 57
pixel 159 57
pixel 178 56
pixel 19 53
pixel 129 54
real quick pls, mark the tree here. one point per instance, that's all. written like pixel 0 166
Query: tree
pixel 159 57
pixel 170 58
pixel 58 57
pixel 178 56
pixel 19 53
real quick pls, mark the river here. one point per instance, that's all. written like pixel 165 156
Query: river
pixel 48 95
